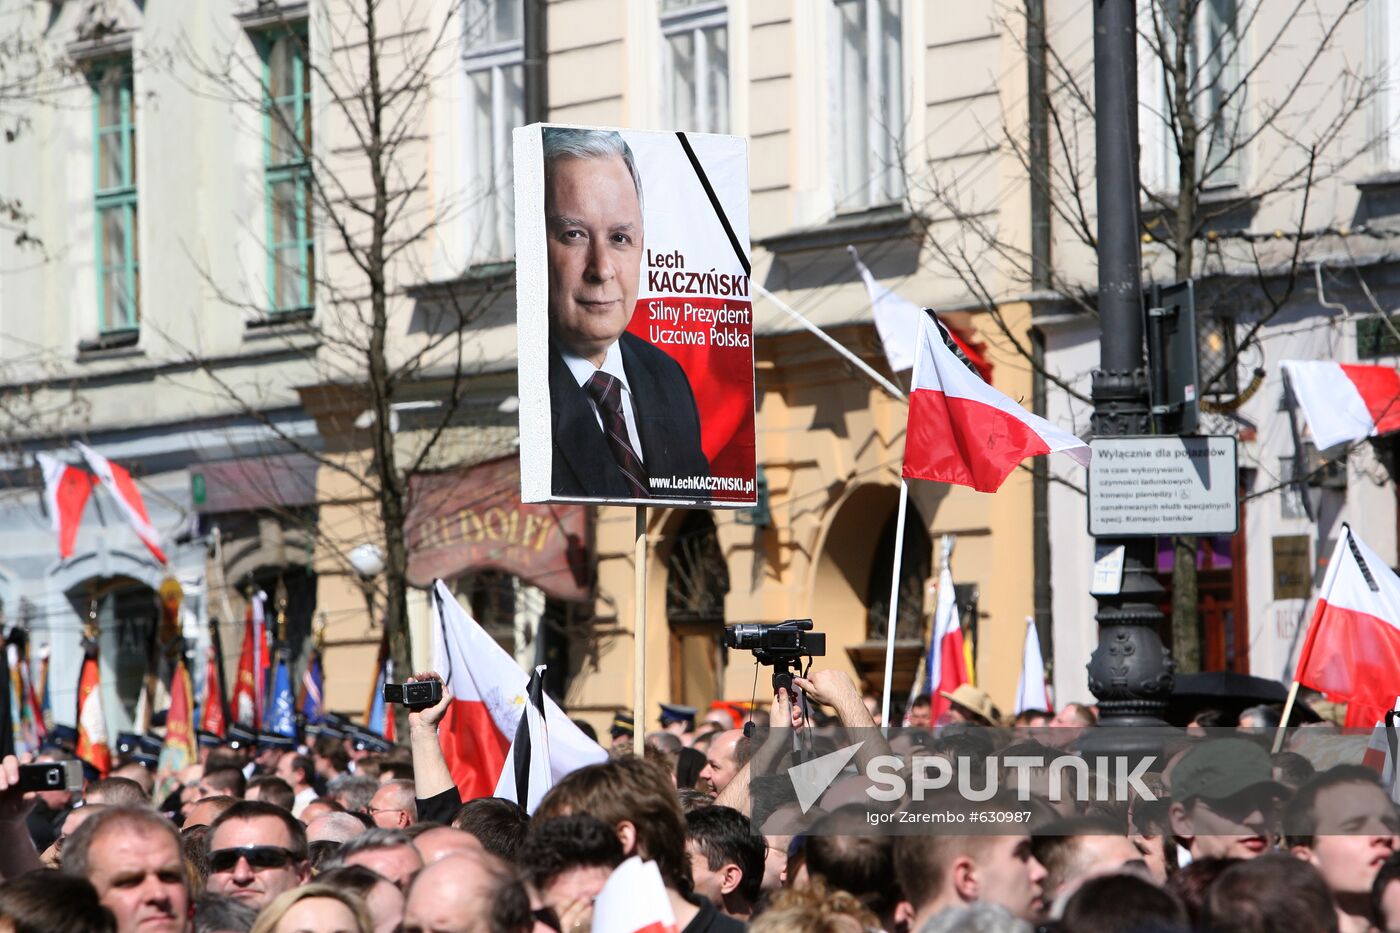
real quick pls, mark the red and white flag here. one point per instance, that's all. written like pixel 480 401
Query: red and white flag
pixel 1383 749
pixel 66 492
pixel 489 692
pixel 965 432
pixel 1352 650
pixel 119 483
pixel 1345 402
pixel 947 657
pixel 92 721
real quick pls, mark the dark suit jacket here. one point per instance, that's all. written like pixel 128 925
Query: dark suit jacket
pixel 668 425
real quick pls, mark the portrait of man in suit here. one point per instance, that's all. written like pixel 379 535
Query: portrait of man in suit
pixel 622 411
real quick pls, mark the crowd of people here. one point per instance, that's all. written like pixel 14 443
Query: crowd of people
pixel 338 836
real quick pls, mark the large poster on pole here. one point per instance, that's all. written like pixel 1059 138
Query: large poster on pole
pixel 635 317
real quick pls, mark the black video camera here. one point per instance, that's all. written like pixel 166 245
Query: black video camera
pixel 780 646
pixel 416 694
pixel 770 644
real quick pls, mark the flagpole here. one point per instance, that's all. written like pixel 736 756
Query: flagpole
pixel 826 338
pixel 639 601
pixel 894 602
pixel 1287 711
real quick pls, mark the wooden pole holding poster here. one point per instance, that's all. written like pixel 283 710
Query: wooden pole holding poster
pixel 639 628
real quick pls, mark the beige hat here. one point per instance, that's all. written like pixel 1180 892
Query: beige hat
pixel 976 700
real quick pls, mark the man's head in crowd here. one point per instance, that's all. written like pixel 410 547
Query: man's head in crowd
pixel 860 865
pixel 330 758
pixel 48 902
pixel 296 770
pixel 117 792
pixel 1292 770
pixel 387 851
pixel 439 842
pixel 1124 902
pixel 334 827
pixel 382 897
pixel 456 894
pixel 139 775
pixel 920 712
pixel 1270 894
pixel 271 790
pixel 726 859
pixel 133 858
pixel 319 807
pixel 206 810
pixel 214 913
pixel 355 793
pixel 1343 822
pixel 71 821
pixel 1077 849
pixel 1191 883
pixel 498 824
pixel 1032 719
pixel 567 860
pixel 222 782
pixel 394 805
pixel 1224 799
pixel 727 755
pixel 1074 715
pixel 256 852
pixel 636 798
pixel 938 871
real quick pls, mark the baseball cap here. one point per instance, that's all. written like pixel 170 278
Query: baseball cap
pixel 1220 768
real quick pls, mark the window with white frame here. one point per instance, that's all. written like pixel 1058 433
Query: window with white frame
pixel 1383 50
pixel 1216 89
pixel 695 65
pixel 494 58
pixel 867 108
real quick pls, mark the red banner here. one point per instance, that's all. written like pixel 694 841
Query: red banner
pixel 472 519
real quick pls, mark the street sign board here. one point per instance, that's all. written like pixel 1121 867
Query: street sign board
pixel 1150 486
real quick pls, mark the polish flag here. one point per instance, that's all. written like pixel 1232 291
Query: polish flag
pixel 489 692
pixel 66 492
pixel 947 659
pixel 119 483
pixel 92 722
pixel 1352 651
pixel 965 432
pixel 1345 402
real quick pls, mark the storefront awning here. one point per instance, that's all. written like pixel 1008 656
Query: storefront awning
pixel 472 519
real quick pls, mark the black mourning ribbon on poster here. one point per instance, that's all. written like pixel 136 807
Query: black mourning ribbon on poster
pixel 606 392
pixel 714 203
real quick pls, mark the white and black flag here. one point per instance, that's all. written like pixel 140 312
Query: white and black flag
pixel 526 777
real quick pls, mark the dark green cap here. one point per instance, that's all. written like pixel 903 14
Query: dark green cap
pixel 1221 768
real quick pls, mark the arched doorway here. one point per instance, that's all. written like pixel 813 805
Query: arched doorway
pixel 697 581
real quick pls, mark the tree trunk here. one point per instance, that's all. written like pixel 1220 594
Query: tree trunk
pixel 1186 629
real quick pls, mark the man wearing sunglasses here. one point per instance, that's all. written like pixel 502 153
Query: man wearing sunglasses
pixel 256 851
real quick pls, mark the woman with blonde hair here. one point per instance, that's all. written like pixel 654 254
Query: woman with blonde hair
pixel 812 909
pixel 314 908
